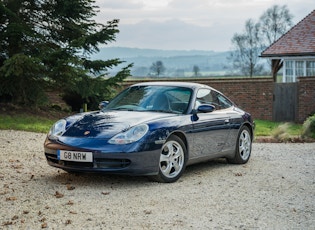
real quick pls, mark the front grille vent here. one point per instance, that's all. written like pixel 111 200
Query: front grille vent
pixel 103 163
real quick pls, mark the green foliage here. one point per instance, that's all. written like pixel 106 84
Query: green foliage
pixel 276 129
pixel 26 123
pixel 93 90
pixel 47 44
pixel 22 80
pixel 264 128
pixel 309 127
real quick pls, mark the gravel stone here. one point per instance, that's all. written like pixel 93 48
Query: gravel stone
pixel 274 190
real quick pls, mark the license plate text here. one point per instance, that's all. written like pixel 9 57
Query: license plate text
pixel 75 156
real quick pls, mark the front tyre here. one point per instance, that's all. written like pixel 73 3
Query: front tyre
pixel 173 158
pixel 243 147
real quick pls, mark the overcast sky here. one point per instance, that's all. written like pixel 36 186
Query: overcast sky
pixel 188 24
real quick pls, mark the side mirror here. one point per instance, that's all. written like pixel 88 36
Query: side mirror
pixel 103 104
pixel 205 108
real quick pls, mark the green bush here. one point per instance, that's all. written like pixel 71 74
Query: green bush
pixel 309 127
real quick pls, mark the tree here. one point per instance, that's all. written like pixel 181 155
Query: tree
pixel 48 44
pixel 247 46
pixel 274 22
pixel 196 70
pixel 157 68
pixel 245 56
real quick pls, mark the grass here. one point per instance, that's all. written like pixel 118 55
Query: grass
pixel 270 128
pixel 26 123
pixel 42 125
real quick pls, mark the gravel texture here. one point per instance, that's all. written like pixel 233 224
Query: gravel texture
pixel 274 190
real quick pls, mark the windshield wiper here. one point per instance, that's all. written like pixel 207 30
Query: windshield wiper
pixel 160 111
pixel 122 109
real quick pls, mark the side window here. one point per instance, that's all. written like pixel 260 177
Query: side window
pixel 207 96
pixel 224 102
pixel 203 97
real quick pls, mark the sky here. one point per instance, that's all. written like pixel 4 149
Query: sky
pixel 188 24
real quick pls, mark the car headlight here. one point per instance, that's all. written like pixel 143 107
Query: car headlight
pixel 58 128
pixel 131 135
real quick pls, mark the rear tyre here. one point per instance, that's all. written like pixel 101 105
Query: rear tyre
pixel 243 147
pixel 172 163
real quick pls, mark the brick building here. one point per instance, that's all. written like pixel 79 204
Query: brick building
pixel 294 52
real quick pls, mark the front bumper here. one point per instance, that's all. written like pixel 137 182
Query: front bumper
pixel 130 163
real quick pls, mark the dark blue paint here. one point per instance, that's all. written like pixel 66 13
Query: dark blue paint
pixel 209 133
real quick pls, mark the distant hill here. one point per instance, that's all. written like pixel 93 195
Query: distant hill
pixel 178 63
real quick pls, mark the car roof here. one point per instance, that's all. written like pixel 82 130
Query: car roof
pixel 191 85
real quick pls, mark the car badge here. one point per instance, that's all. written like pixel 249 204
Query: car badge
pixel 87 132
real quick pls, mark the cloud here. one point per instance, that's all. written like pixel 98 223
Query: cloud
pixel 173 35
pixel 188 24
pixel 119 5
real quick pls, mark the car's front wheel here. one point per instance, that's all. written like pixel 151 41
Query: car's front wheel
pixel 243 147
pixel 173 158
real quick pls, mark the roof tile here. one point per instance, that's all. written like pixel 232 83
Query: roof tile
pixel 299 40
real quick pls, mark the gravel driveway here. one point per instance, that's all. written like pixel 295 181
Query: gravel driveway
pixel 274 190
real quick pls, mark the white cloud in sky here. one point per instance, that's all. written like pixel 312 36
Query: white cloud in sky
pixel 188 24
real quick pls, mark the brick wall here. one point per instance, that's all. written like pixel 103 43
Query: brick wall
pixel 254 95
pixel 306 98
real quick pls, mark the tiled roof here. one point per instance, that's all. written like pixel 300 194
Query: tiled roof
pixel 298 41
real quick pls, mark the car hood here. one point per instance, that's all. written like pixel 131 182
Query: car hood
pixel 109 123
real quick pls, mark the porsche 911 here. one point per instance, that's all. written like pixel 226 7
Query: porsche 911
pixel 154 129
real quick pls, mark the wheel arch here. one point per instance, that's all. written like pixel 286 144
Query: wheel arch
pixel 166 166
pixel 250 127
pixel 237 157
pixel 182 136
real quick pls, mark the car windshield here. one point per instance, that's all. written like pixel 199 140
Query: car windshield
pixel 168 99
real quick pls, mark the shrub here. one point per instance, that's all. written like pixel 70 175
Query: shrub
pixel 280 133
pixel 309 127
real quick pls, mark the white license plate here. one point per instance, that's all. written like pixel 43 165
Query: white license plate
pixel 66 155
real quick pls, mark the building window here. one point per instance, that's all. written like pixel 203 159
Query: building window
pixel 294 69
pixel 299 68
pixel 289 71
pixel 310 68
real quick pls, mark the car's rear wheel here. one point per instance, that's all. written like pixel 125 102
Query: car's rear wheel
pixel 173 158
pixel 243 147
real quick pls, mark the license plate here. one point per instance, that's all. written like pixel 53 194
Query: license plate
pixel 66 155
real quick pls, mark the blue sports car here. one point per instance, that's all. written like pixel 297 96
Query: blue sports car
pixel 154 129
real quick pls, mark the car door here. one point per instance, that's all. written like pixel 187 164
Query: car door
pixel 211 129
